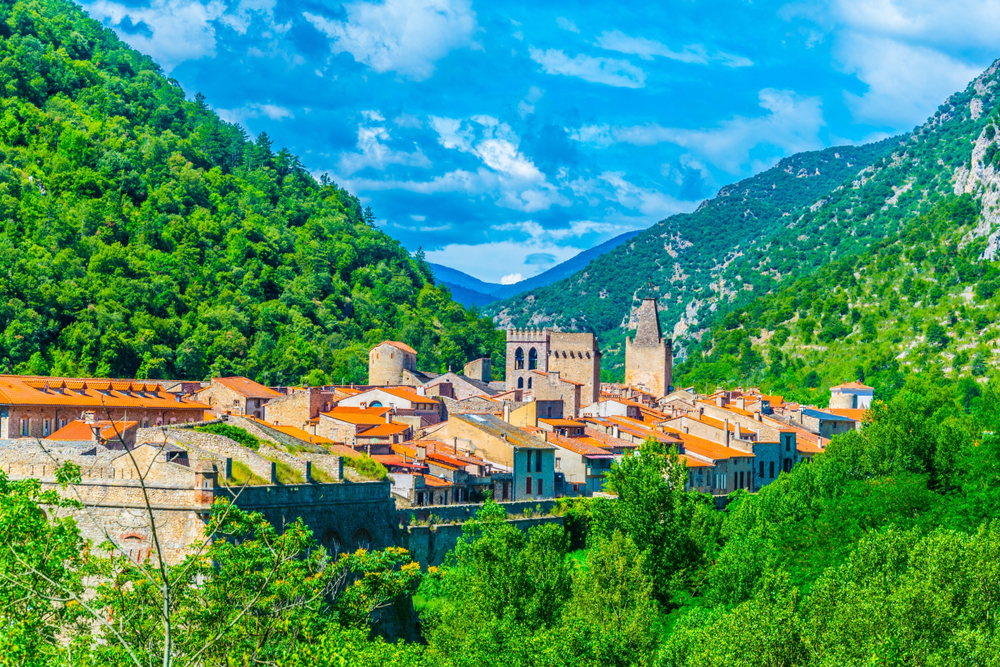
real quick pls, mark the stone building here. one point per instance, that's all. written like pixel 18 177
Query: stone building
pixel 387 362
pixel 851 396
pixel 575 356
pixel 649 356
pixel 36 407
pixel 551 387
pixel 300 406
pixel 237 396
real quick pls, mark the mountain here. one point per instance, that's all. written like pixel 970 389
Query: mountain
pixel 471 291
pixel 145 237
pixel 764 233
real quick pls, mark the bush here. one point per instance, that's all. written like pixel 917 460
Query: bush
pixel 234 433
pixel 367 467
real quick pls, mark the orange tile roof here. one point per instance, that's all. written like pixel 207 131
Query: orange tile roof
pixel 578 446
pixel 561 378
pixel 431 480
pixel 599 439
pixel 91 394
pixel 295 432
pixel 395 460
pixel 247 387
pixel 857 414
pixel 718 423
pixel 395 343
pixel 708 448
pixel 80 430
pixel 695 463
pixel 357 415
pixel 853 385
pixel 407 393
pixel 384 430
pixel 561 422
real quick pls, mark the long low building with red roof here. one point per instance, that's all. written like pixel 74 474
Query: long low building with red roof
pixel 37 406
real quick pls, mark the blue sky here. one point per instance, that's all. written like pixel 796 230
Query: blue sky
pixel 504 137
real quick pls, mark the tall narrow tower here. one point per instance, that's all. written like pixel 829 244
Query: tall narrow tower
pixel 649 357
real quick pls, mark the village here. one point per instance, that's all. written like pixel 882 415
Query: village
pixel 445 442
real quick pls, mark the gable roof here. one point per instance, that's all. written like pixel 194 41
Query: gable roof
pixel 853 385
pixel 493 425
pixel 829 416
pixel 384 430
pixel 350 415
pixel 80 430
pixel 247 387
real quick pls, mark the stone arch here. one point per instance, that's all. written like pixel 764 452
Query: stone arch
pixel 532 359
pixel 362 539
pixel 334 545
pixel 375 404
pixel 518 359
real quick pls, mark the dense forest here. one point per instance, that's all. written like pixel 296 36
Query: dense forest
pixel 777 230
pixel 145 237
pixel 883 551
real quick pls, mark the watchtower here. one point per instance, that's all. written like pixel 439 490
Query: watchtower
pixel 649 357
pixel 388 360
pixel 527 350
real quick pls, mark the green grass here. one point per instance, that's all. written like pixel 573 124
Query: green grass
pixel 366 467
pixel 323 477
pixel 243 475
pixel 286 474
pixel 234 433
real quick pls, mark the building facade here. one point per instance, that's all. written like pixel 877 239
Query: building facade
pixel 575 356
pixel 388 361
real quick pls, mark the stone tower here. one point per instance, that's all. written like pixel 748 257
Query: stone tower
pixel 574 355
pixel 649 357
pixel 388 360
pixel 527 351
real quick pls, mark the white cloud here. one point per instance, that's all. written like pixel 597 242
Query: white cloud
pixel 373 150
pixel 609 71
pixel 651 203
pixel 179 30
pixel 905 82
pixel 527 105
pixel 511 278
pixel 495 261
pixel 566 24
pixel 956 22
pixel 520 184
pixel 254 110
pixel 791 124
pixel 403 36
pixel 616 40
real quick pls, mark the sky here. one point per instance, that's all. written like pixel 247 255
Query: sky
pixel 504 137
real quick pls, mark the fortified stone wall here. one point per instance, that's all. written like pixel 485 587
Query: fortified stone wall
pixel 428 545
pixel 576 357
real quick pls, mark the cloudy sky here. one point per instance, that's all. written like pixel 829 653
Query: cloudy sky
pixel 503 137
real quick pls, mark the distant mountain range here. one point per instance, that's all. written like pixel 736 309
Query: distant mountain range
pixel 470 291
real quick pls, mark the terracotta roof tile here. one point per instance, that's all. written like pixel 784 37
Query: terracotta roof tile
pixel 395 343
pixel 247 387
pixel 90 394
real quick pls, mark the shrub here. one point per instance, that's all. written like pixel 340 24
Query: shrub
pixel 234 433
pixel 367 467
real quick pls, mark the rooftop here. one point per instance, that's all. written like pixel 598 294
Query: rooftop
pixel 358 415
pixel 78 430
pixel 95 394
pixel 562 422
pixel 853 385
pixel 829 416
pixel 561 378
pixel 498 428
pixel 395 343
pixel 247 387
pixel 384 430
pixel 294 432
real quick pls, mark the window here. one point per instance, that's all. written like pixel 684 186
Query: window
pixel 46 428
pixel 532 359
pixel 518 359
pixel 762 470
pixel 772 470
pixel 62 423
pixel 520 383
pixel 558 463
pixel 538 461
pixel 529 383
pixel 24 428
pixel 788 444
pixel 528 469
pixel 690 478
pixel 539 487
pixel 145 422
pixel 527 486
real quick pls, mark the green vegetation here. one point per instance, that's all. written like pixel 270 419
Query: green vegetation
pixel 365 466
pixel 917 302
pixel 144 237
pixel 242 475
pixel 235 433
pixel 285 473
pixel 322 476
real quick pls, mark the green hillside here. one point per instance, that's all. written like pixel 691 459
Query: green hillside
pixel 776 230
pixel 145 237
pixel 919 302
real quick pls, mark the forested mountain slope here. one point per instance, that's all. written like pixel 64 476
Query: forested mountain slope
pixel 143 236
pixel 769 230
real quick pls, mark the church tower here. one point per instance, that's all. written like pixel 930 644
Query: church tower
pixel 649 357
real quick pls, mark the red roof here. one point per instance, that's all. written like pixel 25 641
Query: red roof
pixel 80 430
pixel 431 480
pixel 94 394
pixel 853 413
pixel 247 387
pixel 853 385
pixel 384 430
pixel 395 343
pixel 358 415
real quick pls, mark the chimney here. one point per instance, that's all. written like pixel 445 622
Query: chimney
pixel 739 434
pixel 616 431
pixel 506 412
pixel 421 391
pixel 388 417
pixel 421 452
pixel 720 401
pixel 684 428
pixel 88 417
pixel 701 411
pixel 757 416
pixel 454 445
pixel 725 428
pixel 741 403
